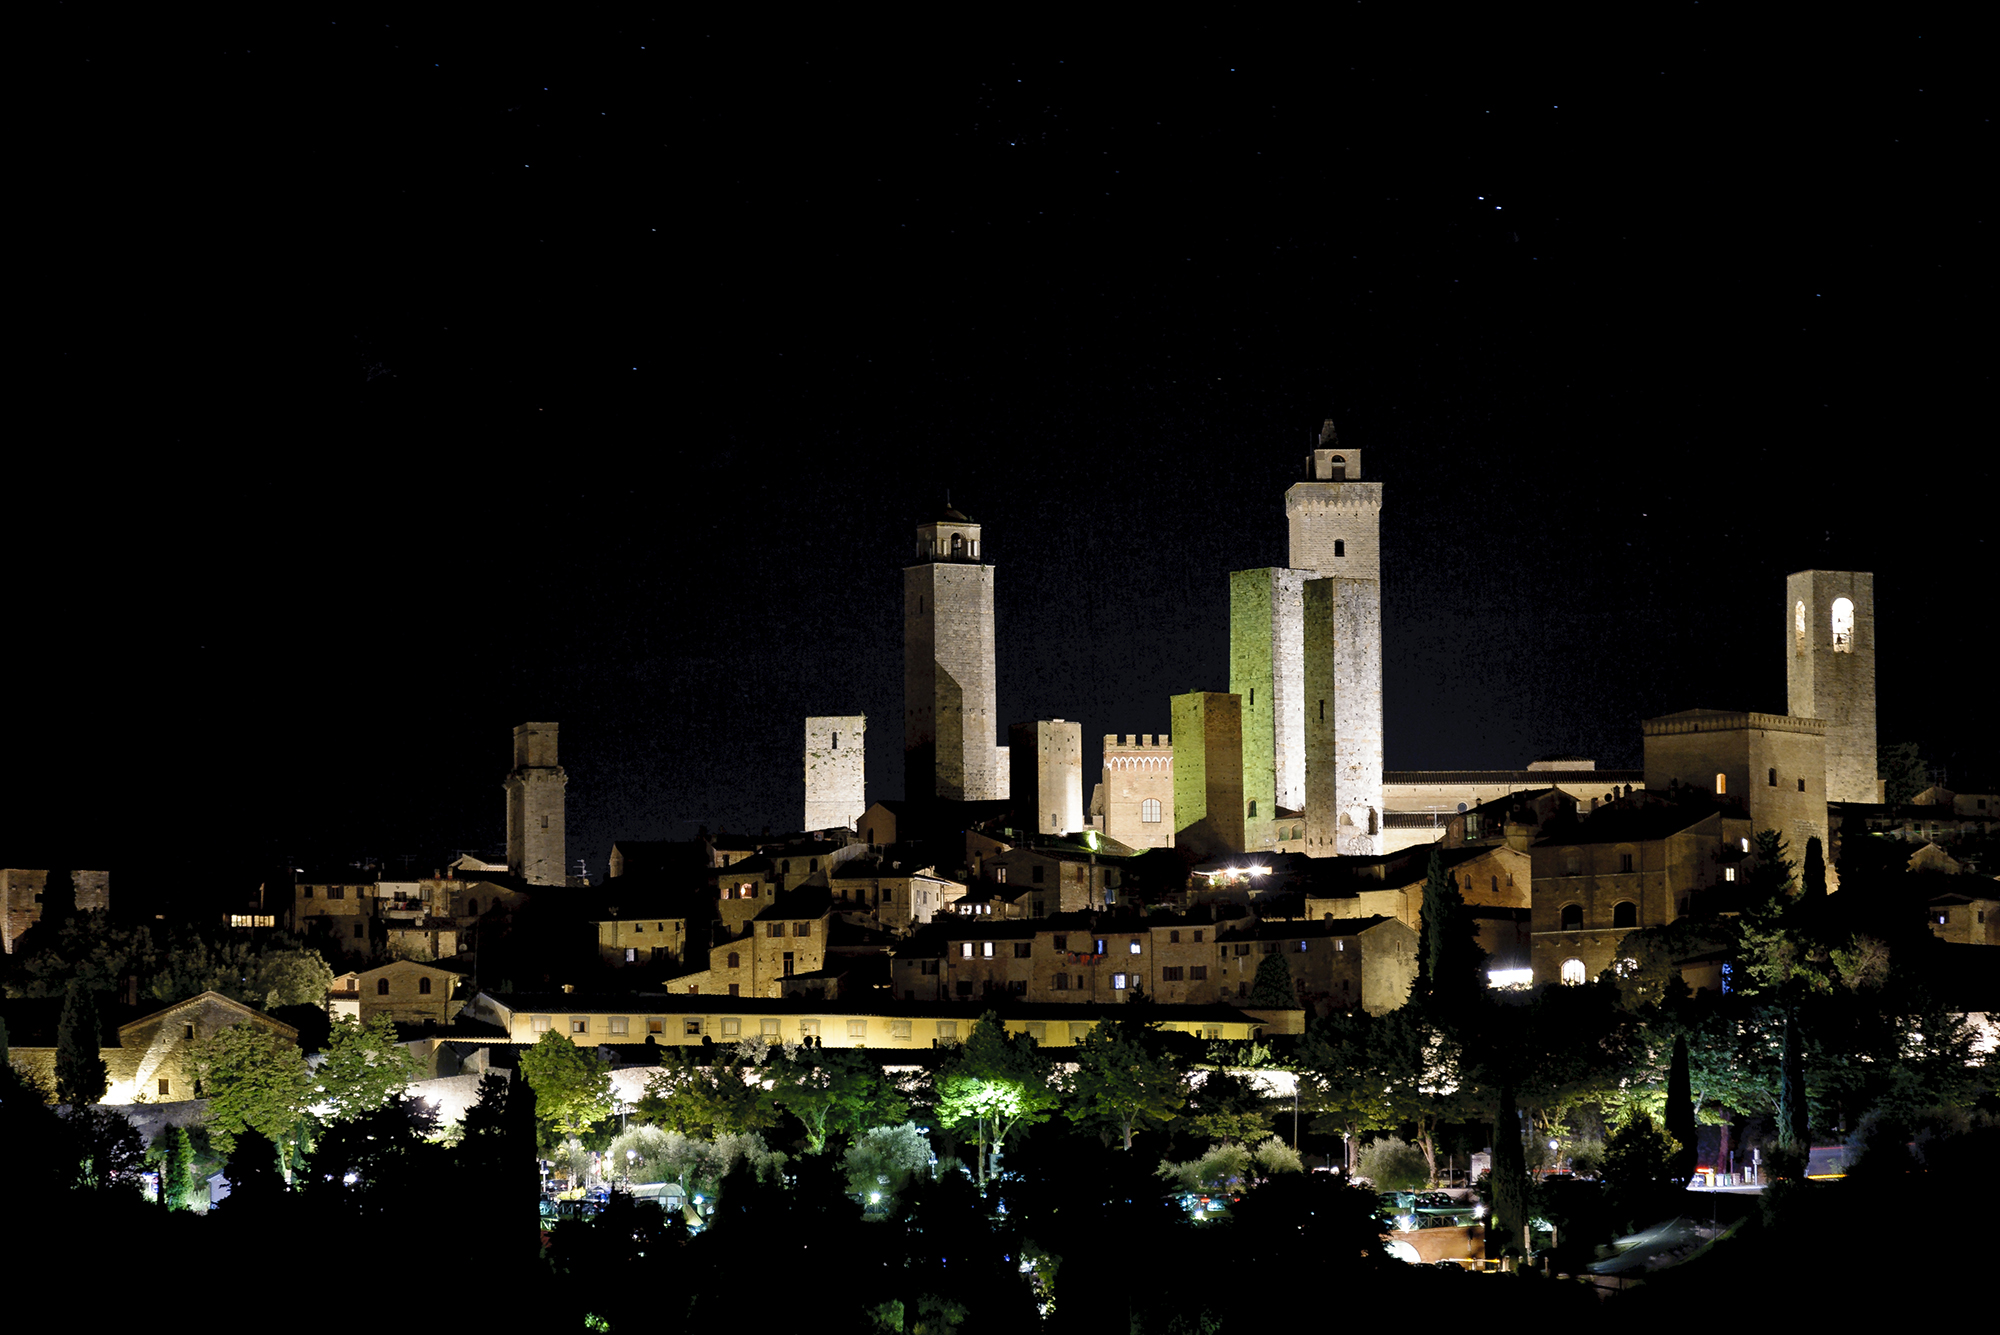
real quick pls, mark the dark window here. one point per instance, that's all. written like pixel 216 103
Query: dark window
pixel 1572 917
pixel 1037 876
pixel 1802 787
pixel 1197 935
pixel 1062 943
pixel 788 964
pixel 1171 974
pixel 1624 862
pixel 1340 547
pixel 733 989
pixel 359 931
pixel 735 960
pixel 1022 949
pixel 1625 915
pixel 1773 779
pixel 1173 938
pixel 1062 982
pixel 381 987
pixel 424 986
pixel 964 987
pixel 1197 972
pixel 802 929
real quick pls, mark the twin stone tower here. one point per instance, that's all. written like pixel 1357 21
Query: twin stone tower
pixel 1295 742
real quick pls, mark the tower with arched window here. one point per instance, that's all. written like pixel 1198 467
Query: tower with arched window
pixel 1335 521
pixel 1830 672
pixel 950 721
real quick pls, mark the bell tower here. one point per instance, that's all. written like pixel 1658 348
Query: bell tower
pixel 949 710
pixel 1335 519
pixel 1830 672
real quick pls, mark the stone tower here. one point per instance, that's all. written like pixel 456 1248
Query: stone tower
pixel 1335 521
pixel 949 726
pixel 1047 780
pixel 1830 672
pixel 1138 789
pixel 1208 772
pixel 836 771
pixel 1265 670
pixel 537 851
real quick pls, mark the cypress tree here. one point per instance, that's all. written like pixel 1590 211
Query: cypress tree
pixel 1793 1142
pixel 81 1075
pixel 1680 1112
pixel 1510 1176
pixel 1813 877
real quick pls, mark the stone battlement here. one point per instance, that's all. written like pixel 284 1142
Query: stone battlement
pixel 1729 720
pixel 1137 742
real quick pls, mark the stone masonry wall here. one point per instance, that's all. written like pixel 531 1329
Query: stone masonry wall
pixel 836 771
pixel 21 891
pixel 948 687
pixel 1343 716
pixel 1138 767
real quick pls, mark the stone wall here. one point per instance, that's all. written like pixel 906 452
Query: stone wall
pixel 1265 674
pixel 836 771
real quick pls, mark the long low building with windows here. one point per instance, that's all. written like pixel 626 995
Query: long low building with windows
pixel 683 1020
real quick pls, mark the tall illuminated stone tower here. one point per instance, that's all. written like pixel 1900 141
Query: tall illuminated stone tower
pixel 836 771
pixel 1830 672
pixel 1336 547
pixel 537 848
pixel 1266 667
pixel 949 714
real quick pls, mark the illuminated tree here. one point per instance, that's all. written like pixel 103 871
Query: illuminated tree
pixel 1124 1080
pixel 837 1091
pixel 254 1080
pixel 365 1067
pixel 572 1085
pixel 997 1082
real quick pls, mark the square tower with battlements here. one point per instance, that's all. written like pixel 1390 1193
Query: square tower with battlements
pixel 949 714
pixel 537 848
pixel 836 771
pixel 1138 789
pixel 1830 673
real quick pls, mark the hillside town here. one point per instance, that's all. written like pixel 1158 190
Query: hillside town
pixel 1244 962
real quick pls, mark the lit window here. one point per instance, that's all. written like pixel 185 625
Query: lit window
pixel 732 1027
pixel 1135 946
pixel 857 1028
pixel 1118 982
pixel 579 1024
pixel 1572 972
pixel 965 950
pixel 986 949
pixel 620 1024
pixel 1843 626
pixel 1729 873
pixel 1721 784
pixel 541 1024
pixel 947 1031
pixel 1799 627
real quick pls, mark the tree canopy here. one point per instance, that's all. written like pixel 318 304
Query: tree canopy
pixel 572 1085
pixel 996 1081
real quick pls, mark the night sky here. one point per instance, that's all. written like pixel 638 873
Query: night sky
pixel 390 386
